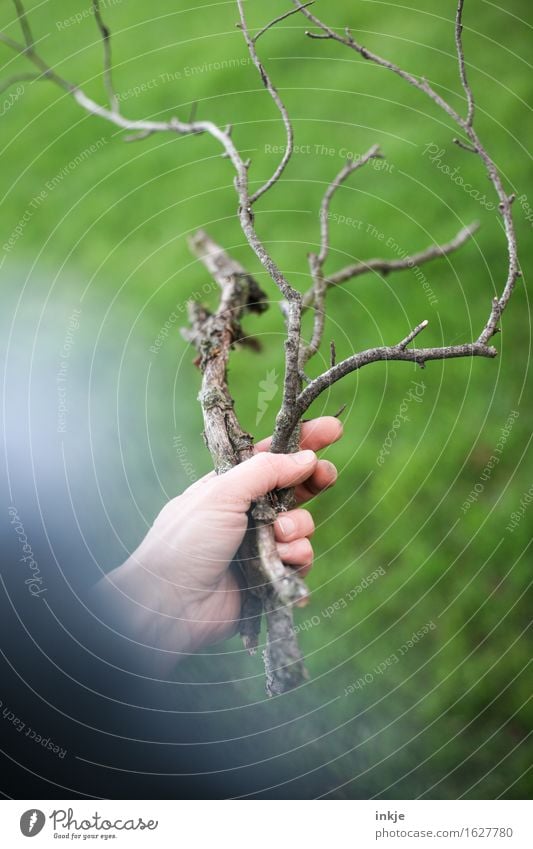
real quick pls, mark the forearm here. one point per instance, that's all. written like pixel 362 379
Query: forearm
pixel 130 602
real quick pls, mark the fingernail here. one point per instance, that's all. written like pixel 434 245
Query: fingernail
pixel 304 458
pixel 286 525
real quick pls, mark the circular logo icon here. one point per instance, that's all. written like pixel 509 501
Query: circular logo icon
pixel 32 822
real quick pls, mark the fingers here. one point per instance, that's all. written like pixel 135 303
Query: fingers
pixel 291 530
pixel 316 434
pixel 323 477
pixel 298 554
pixel 261 474
pixel 292 525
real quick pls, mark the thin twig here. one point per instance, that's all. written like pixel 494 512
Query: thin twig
pixel 464 146
pixel 461 60
pixel 317 261
pixel 498 303
pixel 108 62
pixel 351 166
pixel 277 20
pixel 374 355
pixel 413 334
pixel 387 266
pixel 267 82
pixel 18 78
pixel 24 24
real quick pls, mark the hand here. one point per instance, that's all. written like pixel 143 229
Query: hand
pixel 177 592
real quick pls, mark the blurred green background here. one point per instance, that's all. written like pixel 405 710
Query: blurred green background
pixel 452 716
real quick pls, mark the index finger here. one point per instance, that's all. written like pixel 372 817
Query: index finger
pixel 316 434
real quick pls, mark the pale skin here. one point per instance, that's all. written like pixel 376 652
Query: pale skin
pixel 177 592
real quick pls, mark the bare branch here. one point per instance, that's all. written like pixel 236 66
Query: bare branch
pixel 270 585
pixel 348 40
pixel 373 153
pixel 386 266
pixel 108 63
pixel 279 103
pixel 24 24
pixel 277 20
pixel 498 304
pixel 461 60
pixel 18 78
pixel 36 60
pixel 317 261
pixel 374 355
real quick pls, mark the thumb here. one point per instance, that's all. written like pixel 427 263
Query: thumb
pixel 263 473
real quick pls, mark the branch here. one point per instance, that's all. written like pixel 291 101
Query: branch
pixel 277 100
pixel 317 295
pixel 398 352
pixel 24 24
pixel 505 200
pixel 461 60
pixel 386 266
pixel 108 64
pixel 18 78
pixel 269 584
pixel 277 20
pixel 373 153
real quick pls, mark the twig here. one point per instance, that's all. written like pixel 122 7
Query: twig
pixel 353 165
pixel 374 355
pixel 18 78
pixel 24 24
pixel 277 20
pixel 108 63
pixel 413 334
pixel 267 82
pixel 464 146
pixel 498 304
pixel 461 60
pixel 387 266
pixel 317 261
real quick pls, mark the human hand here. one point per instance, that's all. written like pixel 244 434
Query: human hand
pixel 177 591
